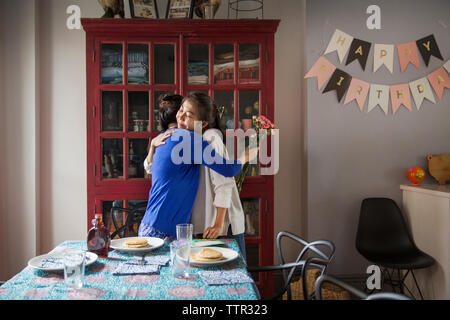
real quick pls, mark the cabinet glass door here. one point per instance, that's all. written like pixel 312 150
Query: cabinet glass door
pixel 115 219
pixel 137 152
pixel 138 65
pixel 112 63
pixel 198 63
pixel 249 63
pixel 138 109
pixel 107 215
pixel 112 158
pixel 225 103
pixel 112 111
pixel 251 213
pixel 164 63
pixel 248 107
pixel 223 64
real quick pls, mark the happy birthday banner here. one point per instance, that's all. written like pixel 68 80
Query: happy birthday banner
pixel 377 94
pixel 408 52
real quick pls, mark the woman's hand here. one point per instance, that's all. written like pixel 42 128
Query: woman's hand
pixel 212 232
pixel 156 142
pixel 159 140
pixel 215 231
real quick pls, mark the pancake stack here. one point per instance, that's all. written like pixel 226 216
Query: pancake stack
pixel 207 255
pixel 136 243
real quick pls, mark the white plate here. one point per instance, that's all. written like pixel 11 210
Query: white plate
pixel 154 243
pixel 228 255
pixel 35 262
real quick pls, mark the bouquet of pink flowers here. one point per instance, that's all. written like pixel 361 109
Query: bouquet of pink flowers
pixel 263 128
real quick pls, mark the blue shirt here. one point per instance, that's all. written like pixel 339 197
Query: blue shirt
pixel 175 173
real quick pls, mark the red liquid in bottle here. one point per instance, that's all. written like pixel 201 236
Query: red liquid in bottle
pixel 98 239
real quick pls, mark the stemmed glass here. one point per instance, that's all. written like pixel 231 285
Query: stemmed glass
pixel 184 238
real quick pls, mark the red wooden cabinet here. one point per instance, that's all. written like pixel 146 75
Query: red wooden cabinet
pixel 131 62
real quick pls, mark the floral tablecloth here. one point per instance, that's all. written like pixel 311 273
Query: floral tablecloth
pixel 101 284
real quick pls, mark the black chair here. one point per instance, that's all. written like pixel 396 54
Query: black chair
pixel 384 239
pixel 354 291
pixel 133 215
pixel 312 255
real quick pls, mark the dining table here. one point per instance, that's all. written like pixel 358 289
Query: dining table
pixel 101 282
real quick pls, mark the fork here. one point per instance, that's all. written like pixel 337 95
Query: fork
pixel 142 262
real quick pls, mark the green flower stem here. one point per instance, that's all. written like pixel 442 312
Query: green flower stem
pixel 241 177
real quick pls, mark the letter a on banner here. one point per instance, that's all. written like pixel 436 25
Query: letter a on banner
pixel 407 52
pixel 340 42
pixel 359 50
pixel 358 90
pixel 400 95
pixel 428 47
pixel 420 90
pixel 384 54
pixel 339 81
pixel 322 69
pixel 439 80
pixel 378 95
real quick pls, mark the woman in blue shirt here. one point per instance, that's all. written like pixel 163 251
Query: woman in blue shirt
pixel 175 171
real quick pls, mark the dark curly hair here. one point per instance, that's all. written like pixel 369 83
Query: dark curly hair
pixel 169 104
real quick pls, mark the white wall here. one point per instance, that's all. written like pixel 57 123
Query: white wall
pixel 18 139
pixel 44 187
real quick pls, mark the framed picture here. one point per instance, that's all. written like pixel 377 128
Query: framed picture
pixel 144 9
pixel 179 9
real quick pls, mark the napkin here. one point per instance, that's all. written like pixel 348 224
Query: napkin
pixel 152 264
pixel 152 259
pixel 125 268
pixel 224 277
pixel 52 263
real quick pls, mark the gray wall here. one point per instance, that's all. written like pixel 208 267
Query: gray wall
pixel 353 154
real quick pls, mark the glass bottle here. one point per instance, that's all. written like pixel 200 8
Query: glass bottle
pixel 98 237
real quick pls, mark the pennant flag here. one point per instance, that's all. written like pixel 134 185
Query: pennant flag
pixel 407 52
pixel 322 69
pixel 359 50
pixel 420 90
pixel 378 95
pixel 439 80
pixel 428 47
pixel 447 66
pixel 339 81
pixel 340 42
pixel 400 95
pixel 358 90
pixel 384 54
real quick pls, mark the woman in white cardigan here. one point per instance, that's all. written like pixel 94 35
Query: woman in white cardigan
pixel 217 209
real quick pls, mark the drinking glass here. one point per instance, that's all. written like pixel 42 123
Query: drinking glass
pixel 74 266
pixel 177 265
pixel 184 241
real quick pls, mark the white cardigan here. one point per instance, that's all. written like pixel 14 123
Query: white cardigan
pixel 215 190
